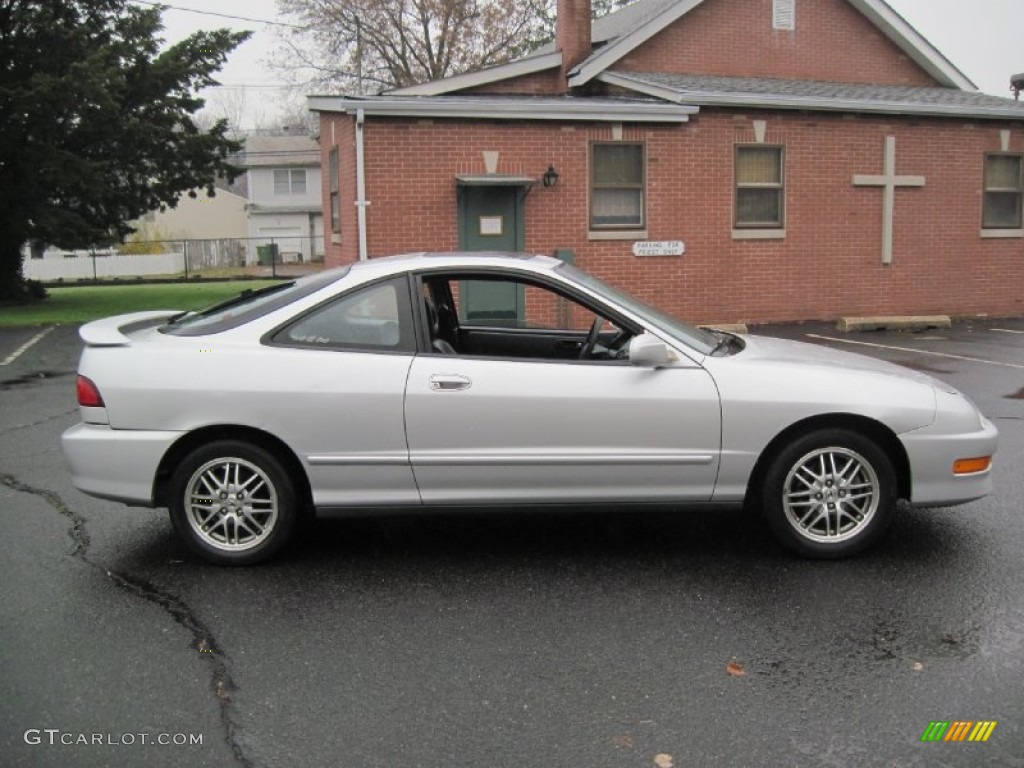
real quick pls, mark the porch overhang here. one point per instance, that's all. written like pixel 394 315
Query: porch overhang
pixel 493 180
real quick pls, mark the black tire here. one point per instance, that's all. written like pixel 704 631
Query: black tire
pixel 830 493
pixel 232 503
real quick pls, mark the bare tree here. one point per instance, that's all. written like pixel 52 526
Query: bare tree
pixel 234 105
pixel 365 46
pixel 599 8
pixel 293 116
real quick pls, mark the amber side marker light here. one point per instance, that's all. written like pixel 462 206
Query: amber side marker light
pixel 971 466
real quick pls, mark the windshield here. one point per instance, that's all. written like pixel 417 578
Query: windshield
pixel 249 304
pixel 700 340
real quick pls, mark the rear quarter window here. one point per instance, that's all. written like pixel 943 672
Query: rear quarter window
pixel 374 318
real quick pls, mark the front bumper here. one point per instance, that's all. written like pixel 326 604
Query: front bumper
pixel 932 452
pixel 116 464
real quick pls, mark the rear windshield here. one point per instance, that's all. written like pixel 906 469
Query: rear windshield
pixel 249 305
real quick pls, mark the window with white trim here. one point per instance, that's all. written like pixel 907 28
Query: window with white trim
pixel 1004 192
pixel 290 181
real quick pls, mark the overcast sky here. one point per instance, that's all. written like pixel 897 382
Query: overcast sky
pixel 981 37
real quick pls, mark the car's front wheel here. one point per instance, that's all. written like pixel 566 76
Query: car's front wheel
pixel 232 503
pixel 830 493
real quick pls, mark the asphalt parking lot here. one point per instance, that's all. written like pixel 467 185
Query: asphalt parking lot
pixel 619 639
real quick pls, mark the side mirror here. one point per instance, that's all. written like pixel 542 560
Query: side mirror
pixel 647 351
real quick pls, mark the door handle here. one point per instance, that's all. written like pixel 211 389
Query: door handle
pixel 449 382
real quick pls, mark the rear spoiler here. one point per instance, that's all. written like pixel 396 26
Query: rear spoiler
pixel 110 332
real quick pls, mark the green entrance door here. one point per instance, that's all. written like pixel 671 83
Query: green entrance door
pixel 491 219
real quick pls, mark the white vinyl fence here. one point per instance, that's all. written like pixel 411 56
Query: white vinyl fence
pixel 176 258
pixel 103 265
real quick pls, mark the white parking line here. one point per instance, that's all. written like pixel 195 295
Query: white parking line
pixel 916 351
pixel 26 346
pixel 1005 330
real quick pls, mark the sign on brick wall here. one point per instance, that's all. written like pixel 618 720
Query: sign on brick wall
pixel 659 248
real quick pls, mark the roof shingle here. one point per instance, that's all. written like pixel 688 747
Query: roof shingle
pixel 715 90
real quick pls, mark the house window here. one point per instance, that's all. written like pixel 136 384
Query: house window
pixel 760 189
pixel 290 182
pixel 1004 192
pixel 617 186
pixel 335 177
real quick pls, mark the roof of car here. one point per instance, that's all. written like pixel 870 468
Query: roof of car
pixel 431 259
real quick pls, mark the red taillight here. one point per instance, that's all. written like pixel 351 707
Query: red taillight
pixel 88 394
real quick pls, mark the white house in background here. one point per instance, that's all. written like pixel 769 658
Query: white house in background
pixel 157 247
pixel 203 217
pixel 285 195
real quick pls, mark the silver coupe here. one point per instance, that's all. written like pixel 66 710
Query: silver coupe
pixel 438 380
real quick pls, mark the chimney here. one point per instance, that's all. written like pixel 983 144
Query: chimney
pixel 572 34
pixel 1017 85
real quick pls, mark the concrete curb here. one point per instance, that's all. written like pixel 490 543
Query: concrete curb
pixel 895 323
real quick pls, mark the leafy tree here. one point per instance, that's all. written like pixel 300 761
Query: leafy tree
pixel 96 122
pixel 364 46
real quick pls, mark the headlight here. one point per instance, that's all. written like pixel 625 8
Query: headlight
pixel 955 412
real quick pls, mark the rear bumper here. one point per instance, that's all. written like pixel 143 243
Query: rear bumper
pixel 116 464
pixel 932 454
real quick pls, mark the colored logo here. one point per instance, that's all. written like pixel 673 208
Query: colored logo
pixel 958 730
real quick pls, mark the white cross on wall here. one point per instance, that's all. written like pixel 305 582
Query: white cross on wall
pixel 888 181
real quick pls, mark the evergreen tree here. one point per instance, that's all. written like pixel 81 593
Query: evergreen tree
pixel 96 123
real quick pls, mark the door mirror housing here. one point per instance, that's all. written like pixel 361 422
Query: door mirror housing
pixel 648 351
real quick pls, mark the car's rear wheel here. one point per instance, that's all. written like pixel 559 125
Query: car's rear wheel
pixel 830 493
pixel 232 503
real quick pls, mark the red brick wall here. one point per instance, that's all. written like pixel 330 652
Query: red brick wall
pixel 829 263
pixel 340 131
pixel 539 83
pixel 832 42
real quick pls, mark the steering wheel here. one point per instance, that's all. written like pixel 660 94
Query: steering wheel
pixel 591 342
pixel 620 338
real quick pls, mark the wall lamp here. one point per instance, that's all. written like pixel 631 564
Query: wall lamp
pixel 550 177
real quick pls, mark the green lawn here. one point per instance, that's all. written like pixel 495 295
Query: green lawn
pixel 78 304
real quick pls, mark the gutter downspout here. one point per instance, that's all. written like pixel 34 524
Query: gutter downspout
pixel 361 201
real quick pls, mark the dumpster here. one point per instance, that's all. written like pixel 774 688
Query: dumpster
pixel 266 254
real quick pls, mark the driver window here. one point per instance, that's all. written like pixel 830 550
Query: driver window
pixel 497 316
pixel 510 304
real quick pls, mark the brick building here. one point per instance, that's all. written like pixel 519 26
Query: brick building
pixel 728 160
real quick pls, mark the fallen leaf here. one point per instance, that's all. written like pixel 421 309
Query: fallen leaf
pixel 621 742
pixel 917 666
pixel 663 761
pixel 735 669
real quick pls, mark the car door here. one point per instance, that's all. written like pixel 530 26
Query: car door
pixel 340 373
pixel 485 426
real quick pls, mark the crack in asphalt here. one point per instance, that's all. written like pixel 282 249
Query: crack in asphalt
pixel 39 423
pixel 203 640
pixel 31 379
pixel 78 533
